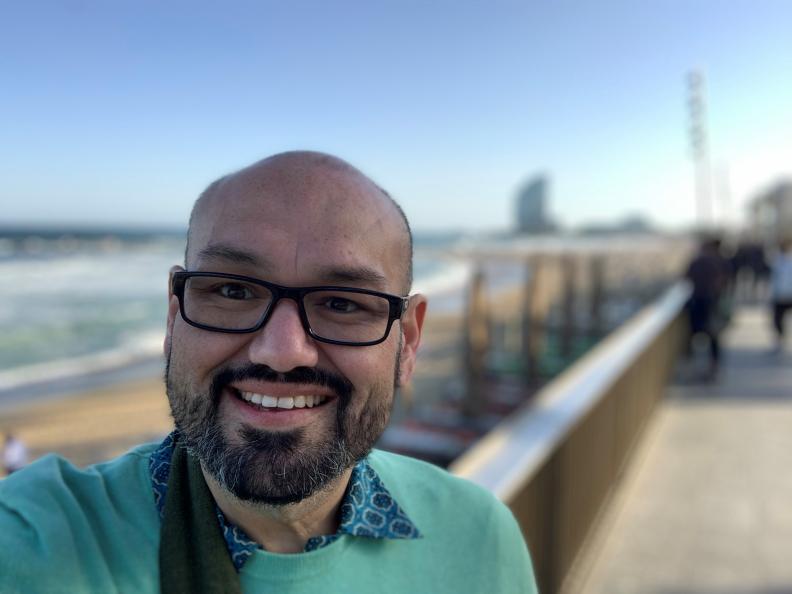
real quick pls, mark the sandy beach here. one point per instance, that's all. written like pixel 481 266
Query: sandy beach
pixel 95 425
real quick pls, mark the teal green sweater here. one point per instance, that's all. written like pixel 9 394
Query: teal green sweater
pixel 63 529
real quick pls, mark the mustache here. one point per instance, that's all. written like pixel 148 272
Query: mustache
pixel 313 376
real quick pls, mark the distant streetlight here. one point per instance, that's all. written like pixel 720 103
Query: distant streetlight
pixel 699 146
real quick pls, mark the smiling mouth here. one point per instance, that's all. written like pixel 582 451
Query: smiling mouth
pixel 267 402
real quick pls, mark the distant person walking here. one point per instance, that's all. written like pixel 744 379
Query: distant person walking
pixel 15 454
pixel 781 289
pixel 708 272
pixel 750 271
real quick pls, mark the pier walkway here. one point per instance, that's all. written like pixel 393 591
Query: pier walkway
pixel 705 504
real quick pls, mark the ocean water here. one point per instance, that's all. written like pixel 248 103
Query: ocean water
pixel 75 303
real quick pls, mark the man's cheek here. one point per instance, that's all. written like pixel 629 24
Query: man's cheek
pixel 198 354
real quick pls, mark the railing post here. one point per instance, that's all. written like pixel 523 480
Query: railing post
pixel 533 328
pixel 477 341
pixel 568 306
pixel 597 286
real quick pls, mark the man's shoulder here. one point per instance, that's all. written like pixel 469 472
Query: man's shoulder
pixel 70 519
pixel 429 490
pixel 52 490
pixel 52 494
pixel 464 528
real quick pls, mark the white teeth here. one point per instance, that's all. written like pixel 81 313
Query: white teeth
pixel 266 401
pixel 286 402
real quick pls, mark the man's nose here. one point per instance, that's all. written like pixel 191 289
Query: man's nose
pixel 283 343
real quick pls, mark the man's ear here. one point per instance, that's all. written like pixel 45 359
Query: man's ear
pixel 173 309
pixel 412 325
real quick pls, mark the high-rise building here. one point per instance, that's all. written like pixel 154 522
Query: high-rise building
pixel 532 202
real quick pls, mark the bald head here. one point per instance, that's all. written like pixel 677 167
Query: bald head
pixel 306 197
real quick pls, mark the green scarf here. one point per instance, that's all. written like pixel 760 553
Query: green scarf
pixel 192 556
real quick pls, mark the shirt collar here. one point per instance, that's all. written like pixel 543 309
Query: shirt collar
pixel 367 510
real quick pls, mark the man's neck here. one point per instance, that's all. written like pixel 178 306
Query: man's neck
pixel 284 528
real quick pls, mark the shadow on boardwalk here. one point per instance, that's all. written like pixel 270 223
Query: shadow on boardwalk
pixel 705 506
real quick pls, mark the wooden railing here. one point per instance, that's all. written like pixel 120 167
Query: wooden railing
pixel 555 461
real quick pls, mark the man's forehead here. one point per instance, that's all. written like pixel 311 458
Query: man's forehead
pixel 308 204
pixel 321 187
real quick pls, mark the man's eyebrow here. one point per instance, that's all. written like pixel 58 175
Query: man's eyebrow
pixel 353 274
pixel 332 274
pixel 220 251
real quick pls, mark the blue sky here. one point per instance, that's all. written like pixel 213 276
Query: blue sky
pixel 121 112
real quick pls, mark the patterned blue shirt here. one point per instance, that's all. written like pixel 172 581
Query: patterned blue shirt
pixel 367 510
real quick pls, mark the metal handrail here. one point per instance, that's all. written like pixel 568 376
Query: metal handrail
pixel 524 450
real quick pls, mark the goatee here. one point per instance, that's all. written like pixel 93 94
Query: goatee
pixel 276 467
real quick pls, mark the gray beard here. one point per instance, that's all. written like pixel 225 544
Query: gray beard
pixel 277 468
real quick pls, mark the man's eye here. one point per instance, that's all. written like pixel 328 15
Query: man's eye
pixel 231 291
pixel 341 305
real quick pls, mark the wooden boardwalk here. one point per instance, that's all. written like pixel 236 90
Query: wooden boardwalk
pixel 705 506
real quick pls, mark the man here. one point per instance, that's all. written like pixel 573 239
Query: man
pixel 288 330
pixel 708 273
pixel 781 290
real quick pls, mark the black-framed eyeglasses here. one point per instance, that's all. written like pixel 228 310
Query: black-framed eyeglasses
pixel 239 304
